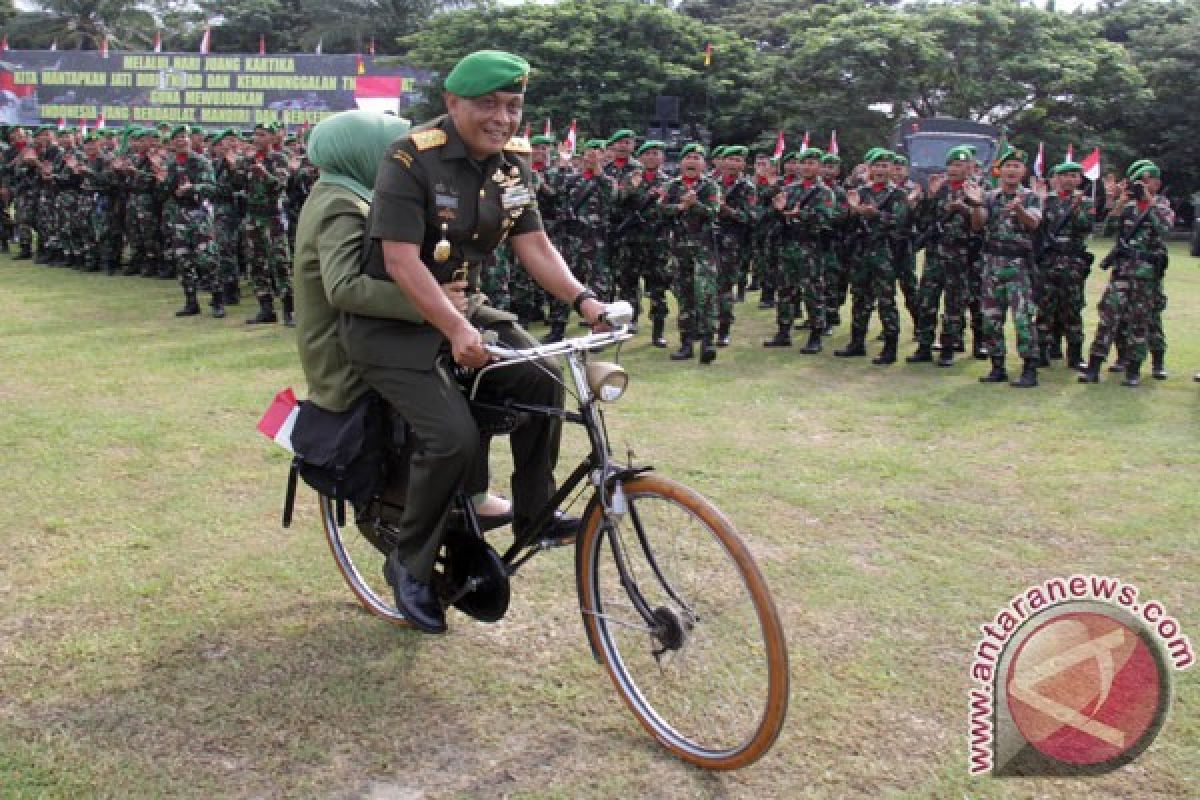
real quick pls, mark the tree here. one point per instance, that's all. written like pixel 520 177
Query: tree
pixel 79 24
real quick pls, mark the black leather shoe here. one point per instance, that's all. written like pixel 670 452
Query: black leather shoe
pixel 417 601
pixel 561 531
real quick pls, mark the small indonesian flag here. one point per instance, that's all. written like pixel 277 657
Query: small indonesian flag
pixel 83 128
pixel 548 131
pixel 54 46
pixel 206 40
pixel 62 123
pixel 380 93
pixel 4 43
pixel 319 47
pixel 708 54
pixel 1091 165
pixel 780 145
pixel 104 47
pixel 359 67
pixel 157 42
pixel 262 45
pixel 528 129
pixel 100 121
pixel 1039 163
pixel 804 143
pixel 833 145
pixel 1070 152
pixel 371 47
pixel 280 418
pixel 569 142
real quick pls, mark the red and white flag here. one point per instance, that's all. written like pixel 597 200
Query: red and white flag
pixel 780 145
pixel 569 142
pixel 371 46
pixel 1091 165
pixel 262 45
pixel 804 142
pixel 528 129
pixel 83 128
pixel 548 131
pixel 205 40
pixel 833 145
pixel 54 46
pixel 4 43
pixel 62 123
pixel 100 121
pixel 1039 163
pixel 319 47
pixel 1070 152
pixel 157 42
pixel 280 418
pixel 104 47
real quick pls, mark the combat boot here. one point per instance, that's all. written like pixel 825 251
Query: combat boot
pixel 1158 367
pixel 978 350
pixel 1119 364
pixel 1028 377
pixel 767 299
pixel 685 350
pixel 946 353
pixel 888 354
pixel 1091 373
pixel 25 254
pixel 657 338
pixel 266 312
pixel 924 355
pixel 813 345
pixel 56 259
pixel 557 331
pixel 218 304
pixel 190 306
pixel 741 292
pixel 998 373
pixel 1133 377
pixel 41 255
pixel 1043 359
pixel 723 333
pixel 782 337
pixel 855 347
pixel 1056 350
pixel 286 302
pixel 233 293
pixel 1075 355
pixel 708 353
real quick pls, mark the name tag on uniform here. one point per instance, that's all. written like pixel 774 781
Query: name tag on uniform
pixel 515 197
pixel 446 201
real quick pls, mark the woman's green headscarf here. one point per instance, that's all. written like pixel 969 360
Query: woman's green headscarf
pixel 348 147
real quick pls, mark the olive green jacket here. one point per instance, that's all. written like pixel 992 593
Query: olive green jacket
pixel 328 280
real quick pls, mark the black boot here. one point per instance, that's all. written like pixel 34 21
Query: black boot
pixel 266 312
pixel 1056 351
pixel 1158 366
pixel 286 302
pixel 998 373
pixel 557 331
pixel 1075 355
pixel 656 333
pixel 977 349
pixel 767 300
pixel 946 354
pixel 741 293
pixel 41 255
pixel 1132 373
pixel 233 293
pixel 708 353
pixel 685 350
pixel 782 337
pixel 1091 373
pixel 888 354
pixel 924 355
pixel 1119 364
pixel 723 333
pixel 218 304
pixel 57 259
pixel 1044 355
pixel 813 345
pixel 1028 377
pixel 25 254
pixel 855 347
pixel 190 306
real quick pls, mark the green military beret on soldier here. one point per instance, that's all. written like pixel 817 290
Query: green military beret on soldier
pixel 792 156
pixel 595 144
pixel 737 150
pixel 718 151
pixel 650 144
pixel 178 129
pixel 1065 167
pixel 899 159
pixel 831 158
pixel 197 129
pixel 877 154
pixel 811 152
pixel 487 71
pixel 960 153
pixel 1145 168
pixel 542 138
pixel 623 133
pixel 693 147
pixel 1011 153
pixel 223 134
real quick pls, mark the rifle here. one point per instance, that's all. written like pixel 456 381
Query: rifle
pixel 1049 243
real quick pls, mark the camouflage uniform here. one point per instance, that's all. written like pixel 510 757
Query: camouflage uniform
pixel 227 219
pixel 23 179
pixel 905 259
pixel 835 260
pixel 734 224
pixel 98 194
pixel 269 274
pixel 300 183
pixel 46 221
pixel 944 278
pixel 72 209
pixel 1008 275
pixel 142 212
pixel 873 276
pixel 587 203
pixel 799 277
pixel 622 272
pixel 693 254
pixel 645 255
pixel 192 242
pixel 496 276
pixel 1063 271
pixel 764 240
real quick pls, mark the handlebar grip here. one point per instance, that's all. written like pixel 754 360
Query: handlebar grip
pixel 618 313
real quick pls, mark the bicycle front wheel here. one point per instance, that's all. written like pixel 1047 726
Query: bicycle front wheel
pixel 680 615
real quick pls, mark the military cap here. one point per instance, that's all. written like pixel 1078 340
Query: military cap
pixel 487 71
pixel 595 144
pixel 737 150
pixel 793 156
pixel 1011 153
pixel 197 129
pixel 960 153
pixel 1142 169
pixel 624 133
pixel 92 137
pixel 650 144
pixel 899 159
pixel 224 133
pixel 542 138
pixel 162 126
pixel 1066 166
pixel 877 154
pixel 718 151
pixel 693 147
pixel 831 158
pixel 810 152
pixel 178 129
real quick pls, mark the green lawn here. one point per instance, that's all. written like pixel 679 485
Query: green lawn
pixel 162 636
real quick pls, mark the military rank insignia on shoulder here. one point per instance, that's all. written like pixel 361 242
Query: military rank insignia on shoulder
pixel 404 157
pixel 427 140
pixel 518 144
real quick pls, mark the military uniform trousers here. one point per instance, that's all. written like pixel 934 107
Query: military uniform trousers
pixel 1062 278
pixel 874 285
pixel 25 205
pixel 1124 312
pixel 942 280
pixel 142 231
pixel 800 283
pixel 695 287
pixel 1007 284
pixel 193 248
pixel 225 229
pixel 586 253
pixel 447 441
pixel 646 260
pixel 731 257
pixel 268 274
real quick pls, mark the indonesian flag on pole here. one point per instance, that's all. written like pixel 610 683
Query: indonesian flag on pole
pixel 262 44
pixel 280 418
pixel 548 131
pixel 380 93
pixel 320 42
pixel 1091 165
pixel 100 121
pixel 157 42
pixel 1039 163
pixel 804 142
pixel 360 68
pixel 104 47
pixel 780 145
pixel 54 46
pixel 528 129
pixel 833 145
pixel 4 43
pixel 83 128
pixel 62 123
pixel 1070 152
pixel 569 142
pixel 371 47
pixel 205 40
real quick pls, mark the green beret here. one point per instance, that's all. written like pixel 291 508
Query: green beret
pixel 650 144
pixel 688 149
pixel 718 151
pixel 624 133
pixel 1011 153
pixel 595 144
pixel 542 138
pixel 811 152
pixel 1142 169
pixel 196 129
pixel 486 71
pixel 1066 166
pixel 92 137
pixel 162 126
pixel 793 156
pixel 899 159
pixel 831 158
pixel 178 129
pixel 878 154
pixel 222 134
pixel 959 153
pixel 869 156
pixel 737 150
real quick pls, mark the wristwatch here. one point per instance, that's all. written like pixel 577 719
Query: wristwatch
pixel 577 303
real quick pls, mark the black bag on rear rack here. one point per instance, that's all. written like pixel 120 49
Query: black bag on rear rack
pixel 345 455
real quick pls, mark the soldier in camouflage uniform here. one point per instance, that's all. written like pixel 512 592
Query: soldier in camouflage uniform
pixel 528 299
pixel 21 169
pixel 947 215
pixel 803 211
pixel 619 165
pixel 1013 216
pixel 1137 262
pixel 300 182
pixel 96 192
pixel 190 182
pixel 137 175
pixel 587 206
pixel 1068 217
pixel 833 244
pixel 495 277
pixel 902 242
pixel 71 209
pixel 227 217
pixel 734 222
pixel 690 204
pixel 49 250
pixel 646 255
pixel 762 249
pixel 881 210
pixel 262 176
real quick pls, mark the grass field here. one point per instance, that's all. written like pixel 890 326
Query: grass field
pixel 162 636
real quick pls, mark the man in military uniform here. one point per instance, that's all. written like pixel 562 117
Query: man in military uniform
pixel 1064 262
pixel 445 196
pixel 190 182
pixel 528 299
pixel 690 204
pixel 766 184
pixel 734 220
pixel 227 215
pixel 262 177
pixel 20 169
pixel 833 244
pixel 1013 216
pixel 137 176
pixel 1137 262
pixel 903 254
pixel 49 250
pixel 645 253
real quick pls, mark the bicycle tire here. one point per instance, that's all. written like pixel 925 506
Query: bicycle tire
pixel 360 562
pixel 695 568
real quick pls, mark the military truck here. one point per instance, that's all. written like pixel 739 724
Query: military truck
pixel 925 142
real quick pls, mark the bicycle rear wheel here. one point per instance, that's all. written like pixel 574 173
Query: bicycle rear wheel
pixel 361 564
pixel 707 675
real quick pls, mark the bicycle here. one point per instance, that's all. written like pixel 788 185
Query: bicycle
pixel 672 601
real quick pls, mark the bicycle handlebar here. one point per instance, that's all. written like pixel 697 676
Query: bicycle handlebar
pixel 618 314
